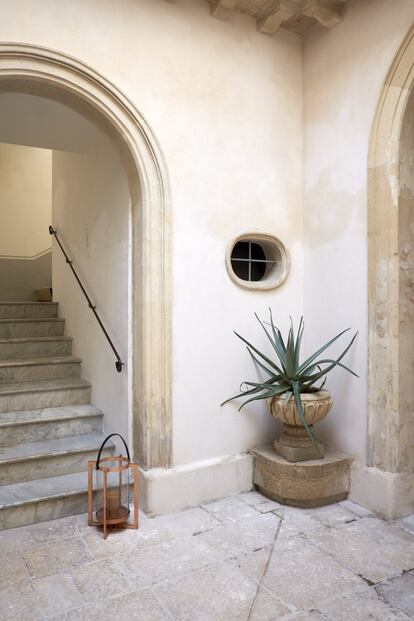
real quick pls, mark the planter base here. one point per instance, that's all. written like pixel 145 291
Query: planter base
pixel 305 484
pixel 298 449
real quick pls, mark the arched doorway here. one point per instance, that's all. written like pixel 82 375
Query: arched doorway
pixel 149 367
pixel 389 479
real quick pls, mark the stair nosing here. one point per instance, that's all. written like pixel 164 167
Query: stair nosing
pixel 36 499
pixel 37 387
pixel 42 361
pixel 52 419
pixel 35 339
pixel 59 453
pixel 32 320
pixel 23 303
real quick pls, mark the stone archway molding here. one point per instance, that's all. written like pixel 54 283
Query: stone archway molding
pixel 386 485
pixel 151 282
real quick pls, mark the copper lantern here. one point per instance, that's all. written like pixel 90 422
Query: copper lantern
pixel 113 491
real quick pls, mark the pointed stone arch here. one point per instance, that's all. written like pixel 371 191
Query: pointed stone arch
pixel 150 368
pixel 387 485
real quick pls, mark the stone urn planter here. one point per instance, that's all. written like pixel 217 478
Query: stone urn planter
pixel 293 387
pixel 295 444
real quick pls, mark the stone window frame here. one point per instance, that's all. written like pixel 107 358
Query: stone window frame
pixel 272 246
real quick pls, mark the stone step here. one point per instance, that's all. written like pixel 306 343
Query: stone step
pixel 46 499
pixel 40 460
pixel 26 310
pixel 30 369
pixel 50 326
pixel 32 347
pixel 48 424
pixel 44 394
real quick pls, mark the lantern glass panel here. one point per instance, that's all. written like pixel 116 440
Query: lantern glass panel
pixel 113 484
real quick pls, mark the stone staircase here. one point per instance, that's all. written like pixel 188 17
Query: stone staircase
pixel 48 428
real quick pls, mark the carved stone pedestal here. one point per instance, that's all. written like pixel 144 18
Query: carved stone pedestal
pixel 304 484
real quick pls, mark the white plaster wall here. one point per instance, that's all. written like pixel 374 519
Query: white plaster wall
pixel 225 103
pixel 344 70
pixel 25 200
pixel 91 214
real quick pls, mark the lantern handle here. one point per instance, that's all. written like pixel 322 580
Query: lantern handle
pixel 105 441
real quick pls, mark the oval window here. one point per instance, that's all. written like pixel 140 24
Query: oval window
pixel 257 261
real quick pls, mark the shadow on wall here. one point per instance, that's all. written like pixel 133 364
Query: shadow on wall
pixel 20 277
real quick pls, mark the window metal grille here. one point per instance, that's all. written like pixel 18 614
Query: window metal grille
pixel 249 261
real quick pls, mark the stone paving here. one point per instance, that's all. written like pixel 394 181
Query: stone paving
pixel 242 558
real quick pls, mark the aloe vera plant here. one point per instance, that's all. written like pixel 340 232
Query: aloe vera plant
pixel 287 374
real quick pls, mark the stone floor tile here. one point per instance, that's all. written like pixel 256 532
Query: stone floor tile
pixel 294 527
pixel 407 524
pixel 305 577
pixel 187 523
pixel 249 535
pixel 170 559
pixel 259 502
pixel 13 569
pixel 364 605
pixel 330 516
pixel 230 510
pixel 57 594
pixel 252 498
pixel 141 606
pixel 267 608
pixel 119 541
pixel 253 564
pixel 57 557
pixel 305 615
pixel 16 540
pixel 20 603
pixel 62 528
pixel 369 547
pixel 100 580
pixel 399 592
pixel 213 594
pixel 267 506
pixel 353 507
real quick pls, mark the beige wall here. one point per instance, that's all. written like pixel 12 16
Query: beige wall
pixel 91 214
pixel 344 70
pixel 25 215
pixel 225 104
pixel 25 200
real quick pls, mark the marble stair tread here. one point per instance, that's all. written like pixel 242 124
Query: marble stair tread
pixel 48 415
pixel 34 339
pixel 32 320
pixel 28 309
pixel 48 448
pixel 43 386
pixel 26 303
pixel 28 492
pixel 43 360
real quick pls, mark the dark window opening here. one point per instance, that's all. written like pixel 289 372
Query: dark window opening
pixel 249 262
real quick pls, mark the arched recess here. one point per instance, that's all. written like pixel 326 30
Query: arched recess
pixel 391 320
pixel 150 368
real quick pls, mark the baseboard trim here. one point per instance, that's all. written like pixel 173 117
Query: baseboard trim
pixel 389 495
pixel 165 490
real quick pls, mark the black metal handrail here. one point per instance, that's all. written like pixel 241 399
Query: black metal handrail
pixel 118 364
